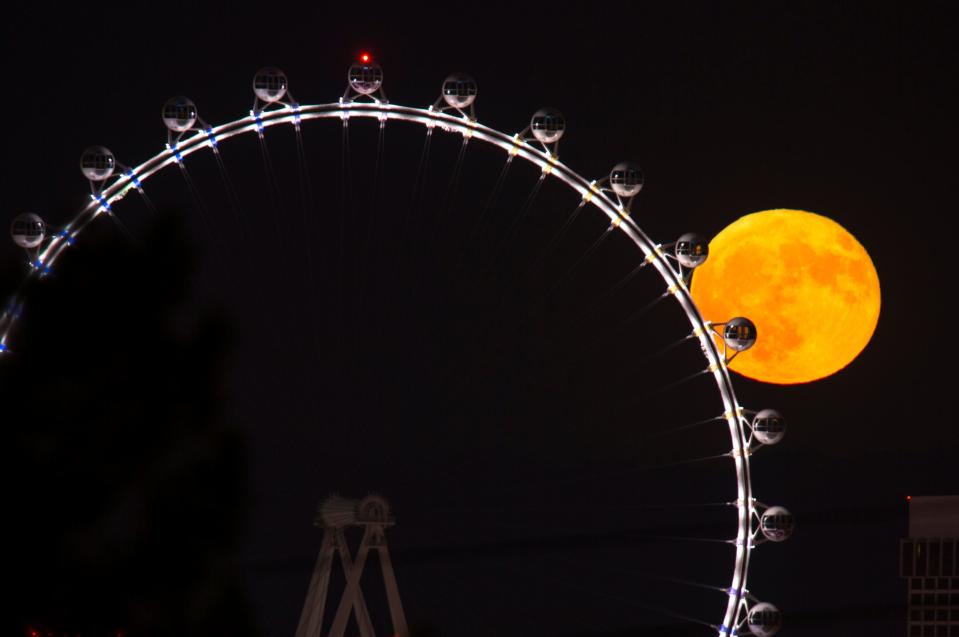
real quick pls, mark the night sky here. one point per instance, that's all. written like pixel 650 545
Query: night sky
pixel 178 404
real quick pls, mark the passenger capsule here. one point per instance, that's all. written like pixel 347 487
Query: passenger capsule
pixel 764 620
pixel 739 334
pixel 776 524
pixel 691 250
pixel 97 163
pixel 28 230
pixel 548 125
pixel 459 90
pixel 269 84
pixel 626 179
pixel 768 426
pixel 179 114
pixel 365 77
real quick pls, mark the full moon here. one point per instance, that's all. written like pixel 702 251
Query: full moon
pixel 804 280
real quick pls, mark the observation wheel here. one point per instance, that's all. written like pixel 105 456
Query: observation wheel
pixel 539 273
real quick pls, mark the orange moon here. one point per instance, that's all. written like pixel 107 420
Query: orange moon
pixel 804 280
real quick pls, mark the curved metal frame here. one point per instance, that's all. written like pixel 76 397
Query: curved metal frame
pixel 516 146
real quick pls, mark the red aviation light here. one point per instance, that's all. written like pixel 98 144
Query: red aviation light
pixel 365 58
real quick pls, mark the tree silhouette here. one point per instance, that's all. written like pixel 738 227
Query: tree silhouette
pixel 125 484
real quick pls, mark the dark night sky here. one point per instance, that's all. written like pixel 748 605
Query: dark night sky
pixel 839 109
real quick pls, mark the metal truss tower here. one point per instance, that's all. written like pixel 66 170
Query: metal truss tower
pixel 334 516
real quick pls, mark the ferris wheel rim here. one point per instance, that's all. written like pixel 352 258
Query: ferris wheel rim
pixel 256 122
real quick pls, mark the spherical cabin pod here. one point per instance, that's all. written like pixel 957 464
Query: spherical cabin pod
pixel 366 78
pixel 739 334
pixel 97 163
pixel 179 114
pixel 691 250
pixel 768 426
pixel 626 179
pixel 459 90
pixel 28 230
pixel 269 84
pixel 764 620
pixel 548 125
pixel 777 524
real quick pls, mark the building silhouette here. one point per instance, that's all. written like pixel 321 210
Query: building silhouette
pixel 928 563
